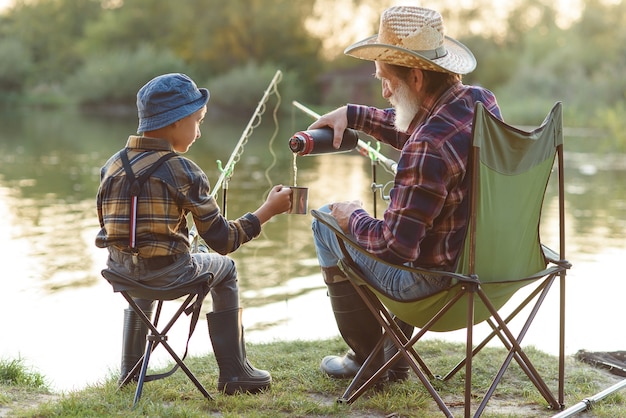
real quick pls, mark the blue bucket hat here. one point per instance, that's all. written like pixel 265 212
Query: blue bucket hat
pixel 166 99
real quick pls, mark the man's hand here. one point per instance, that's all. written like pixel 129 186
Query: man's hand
pixel 338 120
pixel 342 211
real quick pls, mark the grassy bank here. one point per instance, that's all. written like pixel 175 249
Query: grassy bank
pixel 300 390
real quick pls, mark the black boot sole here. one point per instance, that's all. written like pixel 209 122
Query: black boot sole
pixel 232 388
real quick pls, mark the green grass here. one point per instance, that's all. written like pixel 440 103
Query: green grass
pixel 299 389
pixel 15 373
pixel 19 384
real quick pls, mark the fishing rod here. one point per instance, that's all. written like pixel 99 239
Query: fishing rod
pixel 588 403
pixel 226 172
pixel 365 149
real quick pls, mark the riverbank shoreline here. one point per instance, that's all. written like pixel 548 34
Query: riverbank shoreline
pixel 300 389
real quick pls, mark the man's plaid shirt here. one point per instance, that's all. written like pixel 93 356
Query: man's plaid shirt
pixel 427 217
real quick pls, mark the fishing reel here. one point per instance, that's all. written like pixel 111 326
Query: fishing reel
pixel 382 188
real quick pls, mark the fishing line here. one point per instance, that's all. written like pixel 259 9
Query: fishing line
pixel 272 152
pixel 272 139
pixel 196 242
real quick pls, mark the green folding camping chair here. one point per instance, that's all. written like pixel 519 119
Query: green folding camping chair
pixel 510 169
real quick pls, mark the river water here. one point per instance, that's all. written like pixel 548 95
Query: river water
pixel 64 321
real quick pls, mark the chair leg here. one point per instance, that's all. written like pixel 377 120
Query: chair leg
pixel 405 350
pixel 517 353
pixel 366 377
pixel 401 369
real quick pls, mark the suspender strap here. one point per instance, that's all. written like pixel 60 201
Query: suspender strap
pixel 135 189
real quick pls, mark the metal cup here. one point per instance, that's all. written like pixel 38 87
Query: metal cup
pixel 299 200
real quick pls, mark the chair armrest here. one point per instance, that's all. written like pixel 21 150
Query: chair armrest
pixel 330 221
pixel 553 257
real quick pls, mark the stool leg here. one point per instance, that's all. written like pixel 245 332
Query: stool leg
pixel 142 373
pixel 146 356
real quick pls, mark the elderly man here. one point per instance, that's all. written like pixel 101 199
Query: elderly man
pixel 430 122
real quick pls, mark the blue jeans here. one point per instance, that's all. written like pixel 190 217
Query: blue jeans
pixel 397 283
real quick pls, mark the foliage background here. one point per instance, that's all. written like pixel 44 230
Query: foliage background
pixel 95 53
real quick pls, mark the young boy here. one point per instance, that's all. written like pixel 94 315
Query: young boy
pixel 170 109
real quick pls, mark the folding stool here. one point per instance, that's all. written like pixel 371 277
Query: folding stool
pixel 195 293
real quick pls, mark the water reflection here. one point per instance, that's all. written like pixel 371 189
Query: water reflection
pixel 60 316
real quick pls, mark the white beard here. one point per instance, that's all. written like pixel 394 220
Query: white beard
pixel 406 107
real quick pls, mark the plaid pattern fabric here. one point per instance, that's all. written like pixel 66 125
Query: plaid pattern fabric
pixel 177 188
pixel 426 220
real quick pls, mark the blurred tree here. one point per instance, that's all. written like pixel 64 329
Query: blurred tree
pixel 211 36
pixel 238 92
pixel 216 36
pixel 112 78
pixel 599 39
pixel 50 30
pixel 15 66
pixel 129 24
pixel 579 65
pixel 525 57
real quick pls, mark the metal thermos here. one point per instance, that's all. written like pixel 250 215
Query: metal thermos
pixel 320 141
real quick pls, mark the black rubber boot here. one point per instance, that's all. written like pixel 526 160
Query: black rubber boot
pixel 236 372
pixel 347 366
pixel 134 338
pixel 357 325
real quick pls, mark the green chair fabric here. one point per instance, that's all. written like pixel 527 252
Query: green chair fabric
pixel 514 169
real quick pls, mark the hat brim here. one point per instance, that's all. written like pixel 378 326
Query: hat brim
pixel 161 120
pixel 458 60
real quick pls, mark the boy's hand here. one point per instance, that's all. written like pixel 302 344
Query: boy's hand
pixel 278 201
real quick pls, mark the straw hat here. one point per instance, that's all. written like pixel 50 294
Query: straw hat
pixel 414 37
